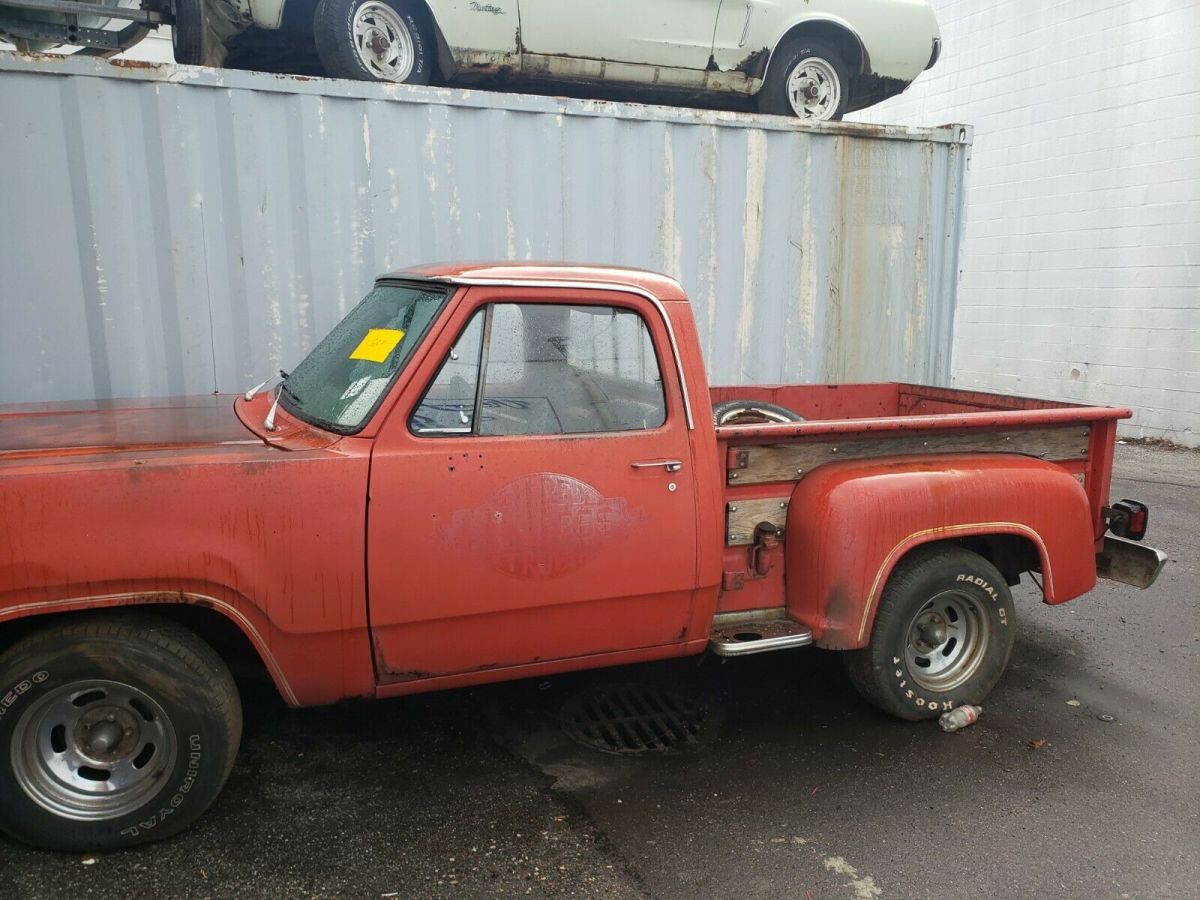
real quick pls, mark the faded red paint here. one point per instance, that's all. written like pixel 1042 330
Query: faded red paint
pixel 388 563
pixel 542 525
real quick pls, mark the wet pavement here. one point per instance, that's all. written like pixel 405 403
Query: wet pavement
pixel 793 788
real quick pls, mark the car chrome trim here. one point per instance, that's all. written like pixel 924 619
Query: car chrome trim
pixel 1129 563
pixel 568 284
pixel 762 645
pixel 185 598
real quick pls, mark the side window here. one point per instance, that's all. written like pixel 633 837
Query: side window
pixel 549 369
pixel 449 405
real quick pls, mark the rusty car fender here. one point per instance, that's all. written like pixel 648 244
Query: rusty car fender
pixel 851 523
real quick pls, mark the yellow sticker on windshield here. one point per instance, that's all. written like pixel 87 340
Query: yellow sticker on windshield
pixel 378 343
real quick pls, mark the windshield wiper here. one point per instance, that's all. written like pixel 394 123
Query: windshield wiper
pixel 269 421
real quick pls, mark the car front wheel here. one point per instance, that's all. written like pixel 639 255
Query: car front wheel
pixel 114 731
pixel 806 79
pixel 371 40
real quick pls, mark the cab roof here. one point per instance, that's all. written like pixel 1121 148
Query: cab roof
pixel 658 285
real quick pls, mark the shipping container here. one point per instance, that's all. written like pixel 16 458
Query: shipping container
pixel 172 230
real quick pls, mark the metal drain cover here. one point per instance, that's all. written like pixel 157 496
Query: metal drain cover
pixel 632 718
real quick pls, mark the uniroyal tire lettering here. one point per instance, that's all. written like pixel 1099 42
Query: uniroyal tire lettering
pixel 189 780
pixel 19 689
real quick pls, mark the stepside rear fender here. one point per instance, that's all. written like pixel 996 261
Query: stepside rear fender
pixel 850 523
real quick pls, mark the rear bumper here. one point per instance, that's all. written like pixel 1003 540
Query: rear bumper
pixel 1129 563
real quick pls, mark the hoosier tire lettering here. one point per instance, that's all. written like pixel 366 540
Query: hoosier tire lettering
pixel 941 637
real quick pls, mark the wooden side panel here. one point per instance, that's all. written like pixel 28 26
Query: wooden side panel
pixel 790 462
pixel 741 517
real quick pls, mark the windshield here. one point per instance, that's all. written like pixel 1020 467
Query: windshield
pixel 339 384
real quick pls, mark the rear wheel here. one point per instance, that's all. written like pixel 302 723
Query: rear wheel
pixel 114 731
pixel 373 40
pixel 942 636
pixel 806 79
pixel 189 32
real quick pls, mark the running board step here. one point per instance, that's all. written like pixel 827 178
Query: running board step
pixel 743 635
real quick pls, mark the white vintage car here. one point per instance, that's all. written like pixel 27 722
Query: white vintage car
pixel 816 59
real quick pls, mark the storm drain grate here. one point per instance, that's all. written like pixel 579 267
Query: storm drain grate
pixel 630 718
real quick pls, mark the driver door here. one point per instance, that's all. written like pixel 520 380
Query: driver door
pixel 531 494
pixel 676 34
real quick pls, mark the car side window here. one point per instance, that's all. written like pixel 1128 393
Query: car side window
pixel 448 407
pixel 549 369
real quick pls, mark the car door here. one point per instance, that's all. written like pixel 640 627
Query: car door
pixel 661 33
pixel 531 496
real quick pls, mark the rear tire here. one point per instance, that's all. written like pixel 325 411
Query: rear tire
pixel 115 730
pixel 189 32
pixel 807 79
pixel 373 40
pixel 942 636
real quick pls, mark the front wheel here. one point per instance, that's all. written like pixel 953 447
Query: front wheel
pixel 806 79
pixel 942 636
pixel 114 731
pixel 373 40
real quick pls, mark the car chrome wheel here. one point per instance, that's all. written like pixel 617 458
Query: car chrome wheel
pixel 93 750
pixel 814 89
pixel 947 641
pixel 383 42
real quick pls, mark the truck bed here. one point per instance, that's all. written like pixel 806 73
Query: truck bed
pixel 763 463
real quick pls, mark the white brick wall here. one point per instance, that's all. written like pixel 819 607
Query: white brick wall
pixel 1081 259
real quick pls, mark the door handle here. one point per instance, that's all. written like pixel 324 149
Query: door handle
pixel 671 465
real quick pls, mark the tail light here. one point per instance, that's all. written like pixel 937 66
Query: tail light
pixel 1128 519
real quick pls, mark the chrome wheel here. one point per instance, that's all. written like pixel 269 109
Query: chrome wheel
pixel 947 641
pixel 93 750
pixel 383 42
pixel 814 89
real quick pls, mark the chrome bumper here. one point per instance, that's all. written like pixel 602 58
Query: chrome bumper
pixel 1129 563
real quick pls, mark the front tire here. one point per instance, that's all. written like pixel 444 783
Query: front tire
pixel 942 636
pixel 806 79
pixel 373 40
pixel 114 731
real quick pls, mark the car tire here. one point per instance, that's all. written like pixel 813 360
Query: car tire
pixel 942 636
pixel 115 730
pixel 752 412
pixel 189 32
pixel 806 75
pixel 373 40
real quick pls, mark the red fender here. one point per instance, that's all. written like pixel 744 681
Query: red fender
pixel 850 523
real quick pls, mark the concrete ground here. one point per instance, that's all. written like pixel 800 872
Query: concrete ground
pixel 803 791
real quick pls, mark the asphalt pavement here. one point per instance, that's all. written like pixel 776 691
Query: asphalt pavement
pixel 1082 778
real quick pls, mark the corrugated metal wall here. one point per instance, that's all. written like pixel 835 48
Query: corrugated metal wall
pixel 177 231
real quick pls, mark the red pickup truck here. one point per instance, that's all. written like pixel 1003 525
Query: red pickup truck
pixel 489 472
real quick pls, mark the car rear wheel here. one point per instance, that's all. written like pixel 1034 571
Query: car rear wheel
pixel 114 731
pixel 188 33
pixel 806 79
pixel 942 636
pixel 373 40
